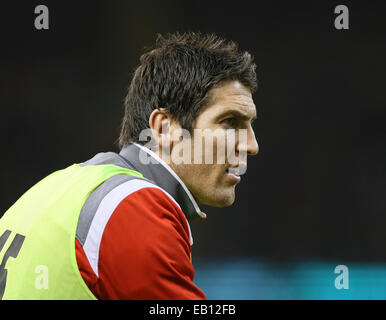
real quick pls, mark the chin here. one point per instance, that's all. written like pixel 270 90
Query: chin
pixel 220 200
pixel 223 204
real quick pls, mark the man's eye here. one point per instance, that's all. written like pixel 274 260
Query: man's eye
pixel 231 122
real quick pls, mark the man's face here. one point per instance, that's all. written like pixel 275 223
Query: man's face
pixel 231 110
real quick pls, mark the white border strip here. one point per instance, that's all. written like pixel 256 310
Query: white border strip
pixel 106 208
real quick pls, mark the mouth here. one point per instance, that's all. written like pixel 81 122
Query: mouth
pixel 238 170
pixel 234 173
pixel 233 170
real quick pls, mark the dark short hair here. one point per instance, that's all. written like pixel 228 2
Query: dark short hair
pixel 177 74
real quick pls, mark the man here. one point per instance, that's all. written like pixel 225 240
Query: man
pixel 117 225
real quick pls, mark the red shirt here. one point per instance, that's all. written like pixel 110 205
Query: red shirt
pixel 144 251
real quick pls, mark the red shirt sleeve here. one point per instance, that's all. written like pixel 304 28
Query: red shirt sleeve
pixel 144 252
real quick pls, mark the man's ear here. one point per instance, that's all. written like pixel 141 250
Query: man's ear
pixel 160 123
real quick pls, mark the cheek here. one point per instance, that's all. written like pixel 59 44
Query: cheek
pixel 206 175
pixel 211 147
pixel 213 176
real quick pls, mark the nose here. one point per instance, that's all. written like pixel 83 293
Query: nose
pixel 248 144
pixel 253 146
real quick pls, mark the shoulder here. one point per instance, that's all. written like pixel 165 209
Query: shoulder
pixel 123 207
pixel 102 202
pixel 134 242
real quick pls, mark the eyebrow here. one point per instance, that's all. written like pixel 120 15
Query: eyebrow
pixel 238 114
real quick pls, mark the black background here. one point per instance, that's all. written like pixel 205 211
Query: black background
pixel 316 189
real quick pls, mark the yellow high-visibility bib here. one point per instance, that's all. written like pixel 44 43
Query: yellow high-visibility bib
pixel 37 235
